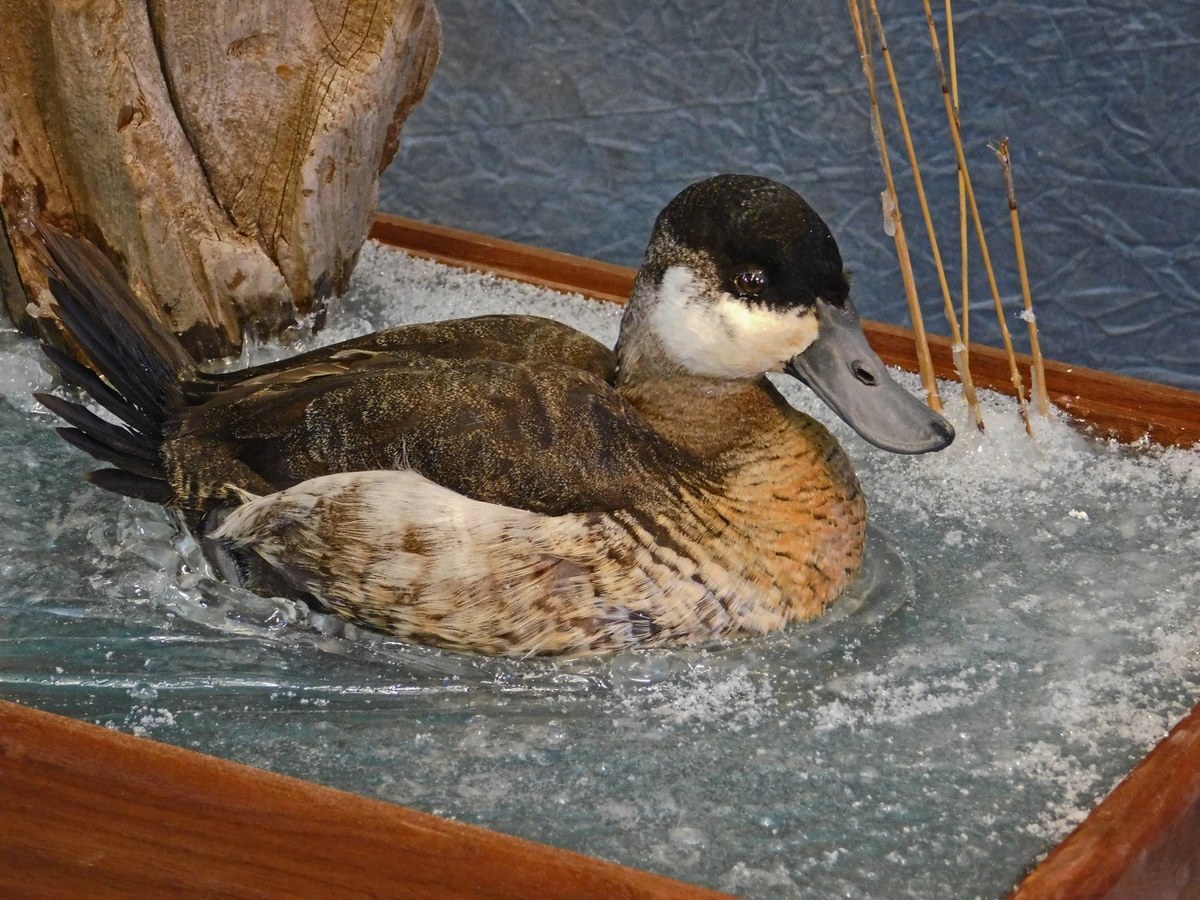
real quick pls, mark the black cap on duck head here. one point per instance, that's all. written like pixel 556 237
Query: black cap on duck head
pixel 744 223
pixel 771 274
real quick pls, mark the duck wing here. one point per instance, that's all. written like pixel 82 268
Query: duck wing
pixel 506 338
pixel 542 436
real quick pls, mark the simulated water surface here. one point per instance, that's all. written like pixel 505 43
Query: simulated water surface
pixel 1024 631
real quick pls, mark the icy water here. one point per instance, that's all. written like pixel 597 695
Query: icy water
pixel 1025 631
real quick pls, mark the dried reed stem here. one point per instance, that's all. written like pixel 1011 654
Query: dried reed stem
pixel 956 134
pixel 892 210
pixel 964 374
pixel 1040 398
pixel 963 243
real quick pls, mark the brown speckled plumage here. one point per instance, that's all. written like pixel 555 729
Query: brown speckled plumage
pixel 505 484
pixel 765 532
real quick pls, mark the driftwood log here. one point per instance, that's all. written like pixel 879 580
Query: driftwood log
pixel 225 154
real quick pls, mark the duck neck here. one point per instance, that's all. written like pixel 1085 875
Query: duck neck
pixel 770 512
pixel 708 418
pixel 704 417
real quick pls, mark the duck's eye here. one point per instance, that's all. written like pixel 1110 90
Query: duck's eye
pixel 750 282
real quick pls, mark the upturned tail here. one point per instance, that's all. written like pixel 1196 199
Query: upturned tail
pixel 137 368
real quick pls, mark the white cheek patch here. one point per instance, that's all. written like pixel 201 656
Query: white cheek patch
pixel 719 336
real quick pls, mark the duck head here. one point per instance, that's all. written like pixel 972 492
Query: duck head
pixel 741 278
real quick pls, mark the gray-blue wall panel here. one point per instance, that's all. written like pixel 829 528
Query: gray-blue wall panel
pixel 569 124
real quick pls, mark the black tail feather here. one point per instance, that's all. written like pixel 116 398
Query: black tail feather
pixel 153 490
pixel 120 439
pixel 136 369
pixel 105 453
pixel 149 359
pixel 83 377
pixel 102 348
pixel 132 350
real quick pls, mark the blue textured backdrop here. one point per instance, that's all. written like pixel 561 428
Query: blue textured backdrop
pixel 569 124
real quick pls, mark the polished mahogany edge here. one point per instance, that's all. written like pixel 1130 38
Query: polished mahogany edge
pixel 1125 408
pixel 1143 840
pixel 545 268
pixel 1115 405
pixel 87 811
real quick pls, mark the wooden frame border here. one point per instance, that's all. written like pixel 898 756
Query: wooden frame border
pixel 88 811
pixel 85 811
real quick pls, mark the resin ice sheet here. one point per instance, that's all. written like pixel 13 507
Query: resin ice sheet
pixel 1025 630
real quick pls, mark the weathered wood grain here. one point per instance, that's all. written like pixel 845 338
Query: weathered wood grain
pixel 294 111
pixel 224 154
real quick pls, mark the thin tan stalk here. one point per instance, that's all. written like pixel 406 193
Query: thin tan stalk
pixel 964 373
pixel 892 210
pixel 963 243
pixel 1040 397
pixel 956 134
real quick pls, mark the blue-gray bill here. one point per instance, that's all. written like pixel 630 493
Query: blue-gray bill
pixel 849 376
